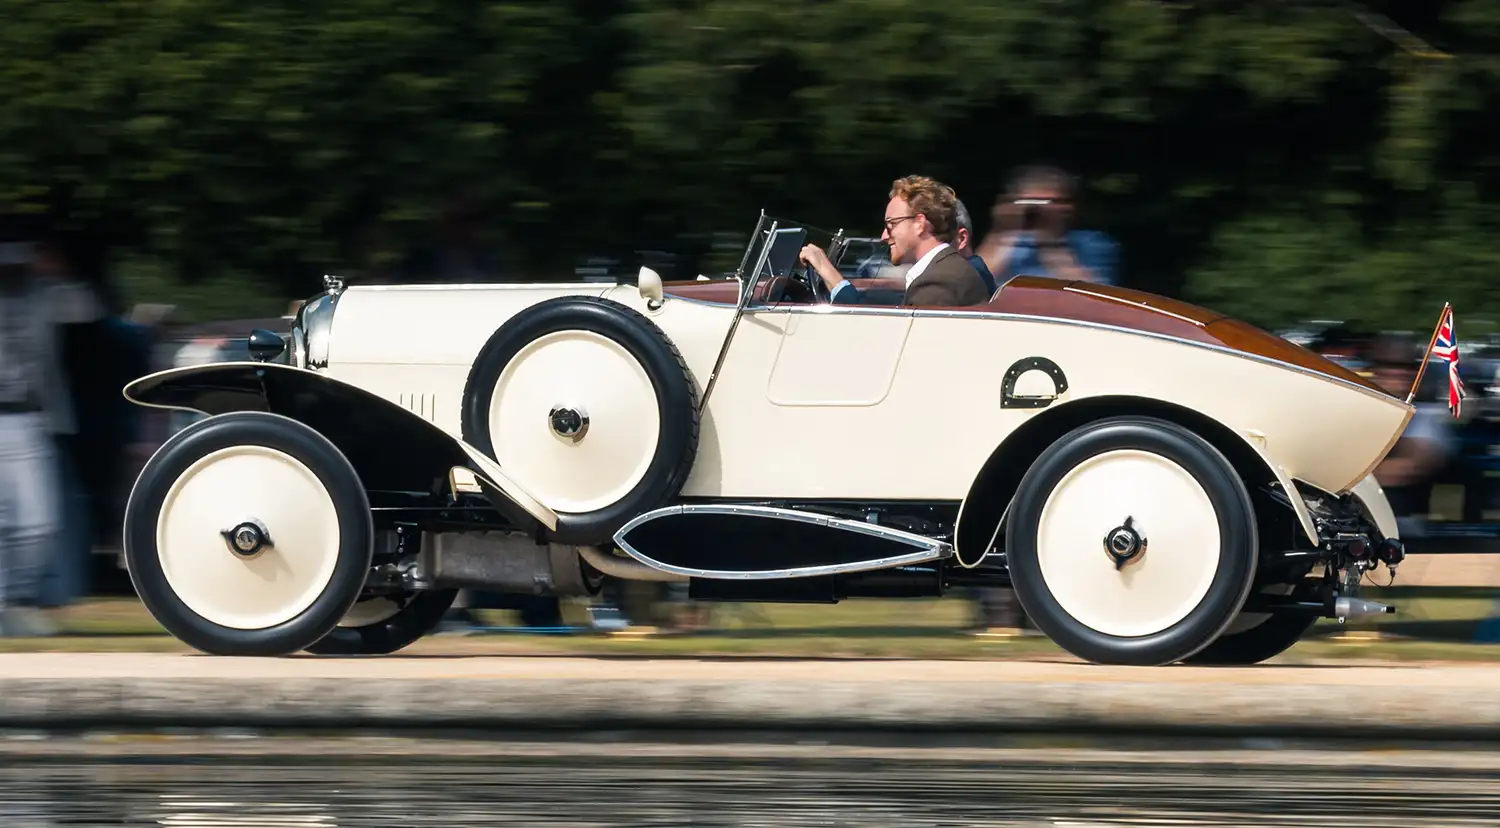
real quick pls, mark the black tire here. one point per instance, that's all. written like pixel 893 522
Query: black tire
pixel 333 470
pixel 1262 642
pixel 1273 636
pixel 421 614
pixel 676 396
pixel 1231 581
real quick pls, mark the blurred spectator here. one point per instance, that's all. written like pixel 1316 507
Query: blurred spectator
pixel 1031 232
pixel 99 352
pixel 33 406
pixel 1424 450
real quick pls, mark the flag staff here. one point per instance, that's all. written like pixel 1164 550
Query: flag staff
pixel 1427 354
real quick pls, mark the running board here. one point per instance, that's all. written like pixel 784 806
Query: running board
pixel 744 542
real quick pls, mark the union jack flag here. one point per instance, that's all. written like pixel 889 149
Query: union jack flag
pixel 1445 347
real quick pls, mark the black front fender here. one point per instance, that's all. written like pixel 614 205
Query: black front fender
pixel 391 448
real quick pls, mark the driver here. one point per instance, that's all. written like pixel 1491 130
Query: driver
pixel 921 220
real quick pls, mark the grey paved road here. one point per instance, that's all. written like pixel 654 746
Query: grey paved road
pixel 428 783
pixel 59 690
pixel 167 667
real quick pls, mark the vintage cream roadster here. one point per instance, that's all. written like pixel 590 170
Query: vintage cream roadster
pixel 1158 482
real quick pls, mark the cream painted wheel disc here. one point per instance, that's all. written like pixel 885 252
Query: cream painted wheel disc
pixel 224 489
pixel 1158 587
pixel 594 376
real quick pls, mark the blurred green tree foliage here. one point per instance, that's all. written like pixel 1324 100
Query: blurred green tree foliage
pixel 1273 159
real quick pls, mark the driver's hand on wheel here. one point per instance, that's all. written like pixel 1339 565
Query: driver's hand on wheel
pixel 814 257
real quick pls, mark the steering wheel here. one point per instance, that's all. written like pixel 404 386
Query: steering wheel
pixel 809 278
pixel 801 284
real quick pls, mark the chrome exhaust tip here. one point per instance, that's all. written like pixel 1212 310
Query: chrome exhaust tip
pixel 1346 607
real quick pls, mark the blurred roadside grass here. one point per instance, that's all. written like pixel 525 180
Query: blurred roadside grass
pixel 1430 625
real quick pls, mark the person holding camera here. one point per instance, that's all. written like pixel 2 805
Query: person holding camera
pixel 1031 232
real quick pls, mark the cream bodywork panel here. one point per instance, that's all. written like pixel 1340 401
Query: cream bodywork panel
pixel 1369 492
pixel 820 364
pixel 942 417
pixel 414 345
pixel 825 402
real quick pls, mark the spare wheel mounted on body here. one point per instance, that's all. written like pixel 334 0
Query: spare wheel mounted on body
pixel 1132 540
pixel 248 534
pixel 590 406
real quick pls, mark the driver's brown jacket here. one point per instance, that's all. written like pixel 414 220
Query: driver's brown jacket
pixel 948 281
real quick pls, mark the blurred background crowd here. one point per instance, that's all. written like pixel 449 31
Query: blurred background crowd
pixel 172 175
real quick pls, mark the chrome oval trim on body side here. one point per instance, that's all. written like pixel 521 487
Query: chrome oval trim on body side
pixel 928 549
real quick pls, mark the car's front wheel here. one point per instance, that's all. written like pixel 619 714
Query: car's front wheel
pixel 1132 541
pixel 248 534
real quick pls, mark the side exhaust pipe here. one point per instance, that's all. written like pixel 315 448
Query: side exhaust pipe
pixel 1342 608
pixel 1345 608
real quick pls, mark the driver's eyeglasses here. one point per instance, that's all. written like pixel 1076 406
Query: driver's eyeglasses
pixel 890 223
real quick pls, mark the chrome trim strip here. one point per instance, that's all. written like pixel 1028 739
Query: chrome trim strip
pixel 1141 305
pixel 928 549
pixel 920 313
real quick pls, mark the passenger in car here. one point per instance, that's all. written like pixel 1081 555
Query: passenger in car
pixel 921 219
pixel 964 241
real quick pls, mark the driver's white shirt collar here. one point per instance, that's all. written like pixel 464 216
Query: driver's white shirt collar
pixel 922 263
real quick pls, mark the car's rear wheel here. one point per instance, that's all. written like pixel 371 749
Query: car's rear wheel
pixel 589 403
pixel 381 624
pixel 248 534
pixel 1131 541
pixel 1255 637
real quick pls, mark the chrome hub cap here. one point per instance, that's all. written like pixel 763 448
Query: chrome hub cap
pixel 568 422
pixel 1125 543
pixel 247 538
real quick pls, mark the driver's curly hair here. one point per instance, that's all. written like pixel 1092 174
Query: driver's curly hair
pixel 933 199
